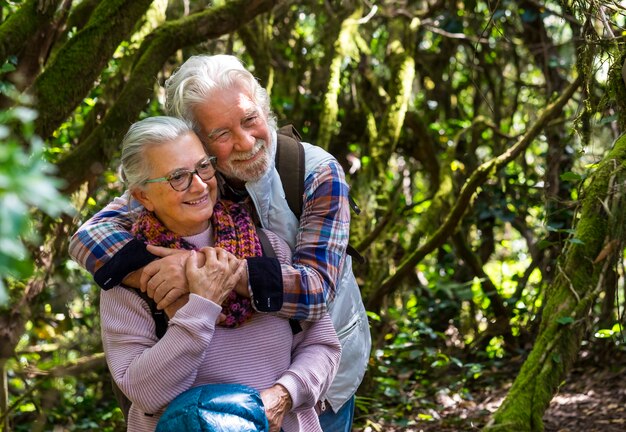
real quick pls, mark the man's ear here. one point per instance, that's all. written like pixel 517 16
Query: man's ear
pixel 140 195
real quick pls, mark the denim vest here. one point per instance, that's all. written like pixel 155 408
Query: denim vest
pixel 346 309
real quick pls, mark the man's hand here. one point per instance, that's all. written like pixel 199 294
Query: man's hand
pixel 277 403
pixel 173 308
pixel 241 287
pixel 216 277
pixel 164 279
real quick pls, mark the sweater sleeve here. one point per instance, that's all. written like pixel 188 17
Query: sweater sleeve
pixel 315 358
pixel 264 274
pixel 310 281
pixel 152 372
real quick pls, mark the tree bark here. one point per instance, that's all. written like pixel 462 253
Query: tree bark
pixel 568 303
pixel 344 47
pixel 22 25
pixel 81 61
pixel 402 65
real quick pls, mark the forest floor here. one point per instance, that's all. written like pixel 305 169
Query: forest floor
pixel 591 399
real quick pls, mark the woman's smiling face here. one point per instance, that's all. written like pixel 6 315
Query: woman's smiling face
pixel 187 212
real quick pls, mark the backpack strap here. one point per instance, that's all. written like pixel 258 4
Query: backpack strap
pixel 290 163
pixel 290 166
pixel 121 398
pixel 159 316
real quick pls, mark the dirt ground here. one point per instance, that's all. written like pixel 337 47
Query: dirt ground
pixel 592 399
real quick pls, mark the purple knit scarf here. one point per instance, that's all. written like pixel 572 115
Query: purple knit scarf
pixel 233 230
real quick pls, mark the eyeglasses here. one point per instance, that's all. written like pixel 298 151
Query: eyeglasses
pixel 180 180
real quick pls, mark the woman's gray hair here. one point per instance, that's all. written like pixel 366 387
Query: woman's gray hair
pixel 143 134
pixel 193 83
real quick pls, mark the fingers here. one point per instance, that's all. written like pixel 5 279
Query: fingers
pixel 170 298
pixel 173 308
pixel 146 275
pixel 191 263
pixel 191 266
pixel 216 258
pixel 241 268
pixel 164 280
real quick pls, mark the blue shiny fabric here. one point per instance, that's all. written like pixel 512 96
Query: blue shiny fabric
pixel 215 408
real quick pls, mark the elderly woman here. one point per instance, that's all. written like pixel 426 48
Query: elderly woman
pixel 213 335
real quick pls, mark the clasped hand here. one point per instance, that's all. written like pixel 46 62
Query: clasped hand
pixel 210 272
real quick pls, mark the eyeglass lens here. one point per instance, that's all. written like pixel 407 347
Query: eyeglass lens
pixel 181 181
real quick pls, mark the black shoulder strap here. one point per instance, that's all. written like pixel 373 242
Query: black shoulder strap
pixel 290 166
pixel 266 246
pixel 159 316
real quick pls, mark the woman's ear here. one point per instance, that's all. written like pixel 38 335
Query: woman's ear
pixel 140 195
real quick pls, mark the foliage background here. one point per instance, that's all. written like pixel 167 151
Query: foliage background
pixel 417 99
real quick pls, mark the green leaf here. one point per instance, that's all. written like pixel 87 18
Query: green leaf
pixel 571 177
pixel 565 320
pixel 604 333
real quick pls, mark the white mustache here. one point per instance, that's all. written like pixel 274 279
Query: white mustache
pixel 258 145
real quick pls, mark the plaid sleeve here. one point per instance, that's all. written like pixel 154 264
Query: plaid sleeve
pixel 321 245
pixel 104 246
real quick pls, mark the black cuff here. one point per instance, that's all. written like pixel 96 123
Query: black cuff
pixel 131 257
pixel 266 282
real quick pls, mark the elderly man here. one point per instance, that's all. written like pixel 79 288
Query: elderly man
pixel 231 114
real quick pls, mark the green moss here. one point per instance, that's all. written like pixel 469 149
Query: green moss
pixel 81 60
pixel 20 26
pixel 557 345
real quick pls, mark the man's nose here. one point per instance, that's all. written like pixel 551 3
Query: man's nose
pixel 244 140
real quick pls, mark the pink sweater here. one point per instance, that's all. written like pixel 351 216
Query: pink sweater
pixel 194 351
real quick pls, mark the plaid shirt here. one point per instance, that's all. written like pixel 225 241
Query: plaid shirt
pixel 106 248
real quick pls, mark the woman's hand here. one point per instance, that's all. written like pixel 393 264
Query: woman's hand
pixel 217 277
pixel 277 402
pixel 164 279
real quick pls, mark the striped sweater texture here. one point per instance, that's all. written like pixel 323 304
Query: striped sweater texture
pixel 195 351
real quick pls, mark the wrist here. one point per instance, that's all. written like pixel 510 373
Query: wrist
pixel 284 397
pixel 242 286
pixel 133 279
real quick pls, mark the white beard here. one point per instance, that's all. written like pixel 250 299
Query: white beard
pixel 253 171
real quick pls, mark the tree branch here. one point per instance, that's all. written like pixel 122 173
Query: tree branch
pixel 81 61
pixel 466 196
pixel 89 159
pixel 21 26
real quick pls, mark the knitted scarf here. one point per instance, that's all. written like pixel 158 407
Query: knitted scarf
pixel 233 231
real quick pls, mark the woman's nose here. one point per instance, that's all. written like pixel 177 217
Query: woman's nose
pixel 197 183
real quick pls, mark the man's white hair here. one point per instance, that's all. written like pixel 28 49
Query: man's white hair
pixel 198 77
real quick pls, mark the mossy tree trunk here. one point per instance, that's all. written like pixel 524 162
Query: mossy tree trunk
pixel 81 61
pixel 89 159
pixel 580 276
pixel 19 27
pixel 402 65
pixel 344 47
